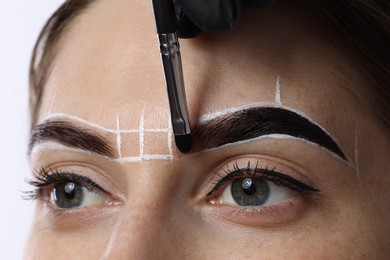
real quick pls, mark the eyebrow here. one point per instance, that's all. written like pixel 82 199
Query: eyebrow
pixel 70 135
pixel 235 127
pixel 251 123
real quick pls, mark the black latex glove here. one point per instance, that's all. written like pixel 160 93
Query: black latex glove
pixel 195 16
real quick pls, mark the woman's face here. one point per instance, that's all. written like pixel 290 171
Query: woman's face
pixel 302 173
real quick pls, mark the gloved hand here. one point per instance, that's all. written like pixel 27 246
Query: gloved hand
pixel 195 16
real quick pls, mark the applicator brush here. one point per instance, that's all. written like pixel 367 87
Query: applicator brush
pixel 164 14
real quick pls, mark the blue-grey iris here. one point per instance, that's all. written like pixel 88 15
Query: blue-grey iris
pixel 68 195
pixel 250 191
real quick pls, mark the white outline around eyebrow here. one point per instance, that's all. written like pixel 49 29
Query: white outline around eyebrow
pixel 213 115
pixel 141 130
pixel 276 136
pixel 210 116
pixel 278 95
pixel 169 157
pixel 118 137
pixel 52 145
pixel 207 117
pixel 203 118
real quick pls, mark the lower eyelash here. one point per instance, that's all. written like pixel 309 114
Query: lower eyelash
pixel 257 210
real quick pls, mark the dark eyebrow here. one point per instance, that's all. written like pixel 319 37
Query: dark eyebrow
pixel 250 123
pixel 70 135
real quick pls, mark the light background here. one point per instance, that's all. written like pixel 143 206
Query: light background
pixel 20 23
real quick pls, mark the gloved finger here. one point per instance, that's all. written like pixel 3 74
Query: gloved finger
pixel 212 15
pixel 257 3
pixel 185 27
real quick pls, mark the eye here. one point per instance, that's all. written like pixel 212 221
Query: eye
pixel 254 192
pixel 74 195
pixel 258 188
pixel 67 190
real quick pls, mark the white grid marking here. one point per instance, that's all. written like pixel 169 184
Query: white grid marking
pixel 118 133
pixel 277 92
pixel 170 138
pixel 118 137
pixel 141 134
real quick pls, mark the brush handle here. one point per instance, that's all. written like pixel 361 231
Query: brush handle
pixel 171 61
pixel 164 15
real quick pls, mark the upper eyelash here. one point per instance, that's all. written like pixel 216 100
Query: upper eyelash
pixel 277 178
pixel 44 178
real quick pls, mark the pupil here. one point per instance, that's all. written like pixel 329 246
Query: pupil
pixel 249 189
pixel 67 195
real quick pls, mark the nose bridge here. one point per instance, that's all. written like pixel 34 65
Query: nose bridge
pixel 147 226
pixel 137 234
pixel 151 222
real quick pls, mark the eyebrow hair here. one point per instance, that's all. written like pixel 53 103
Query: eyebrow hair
pixel 70 135
pixel 235 127
pixel 251 123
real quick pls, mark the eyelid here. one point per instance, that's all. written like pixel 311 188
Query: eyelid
pixel 276 165
pixel 85 172
pixel 53 177
pixel 277 178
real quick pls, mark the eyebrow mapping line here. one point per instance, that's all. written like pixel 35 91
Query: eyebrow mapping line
pixel 170 133
pixel 277 92
pixel 62 116
pixel 51 145
pixel 210 116
pixel 118 137
pixel 76 137
pixel 64 119
pixel 141 134
pixel 273 136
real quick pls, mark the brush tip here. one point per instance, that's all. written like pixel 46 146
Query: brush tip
pixel 183 142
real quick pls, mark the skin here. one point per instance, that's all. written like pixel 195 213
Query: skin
pixel 108 65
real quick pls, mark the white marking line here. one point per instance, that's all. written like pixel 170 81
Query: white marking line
pixel 277 92
pixel 357 152
pixel 146 157
pixel 60 147
pixel 130 131
pixel 141 134
pixel 125 160
pixel 77 119
pixel 170 138
pixel 157 130
pixel 53 99
pixel 212 115
pixel 94 125
pixel 157 157
pixel 274 136
pixel 118 137
pixel 118 132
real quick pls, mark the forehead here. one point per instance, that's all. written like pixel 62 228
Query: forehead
pixel 108 64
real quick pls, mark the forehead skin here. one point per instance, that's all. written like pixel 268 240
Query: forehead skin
pixel 116 53
pixel 108 67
